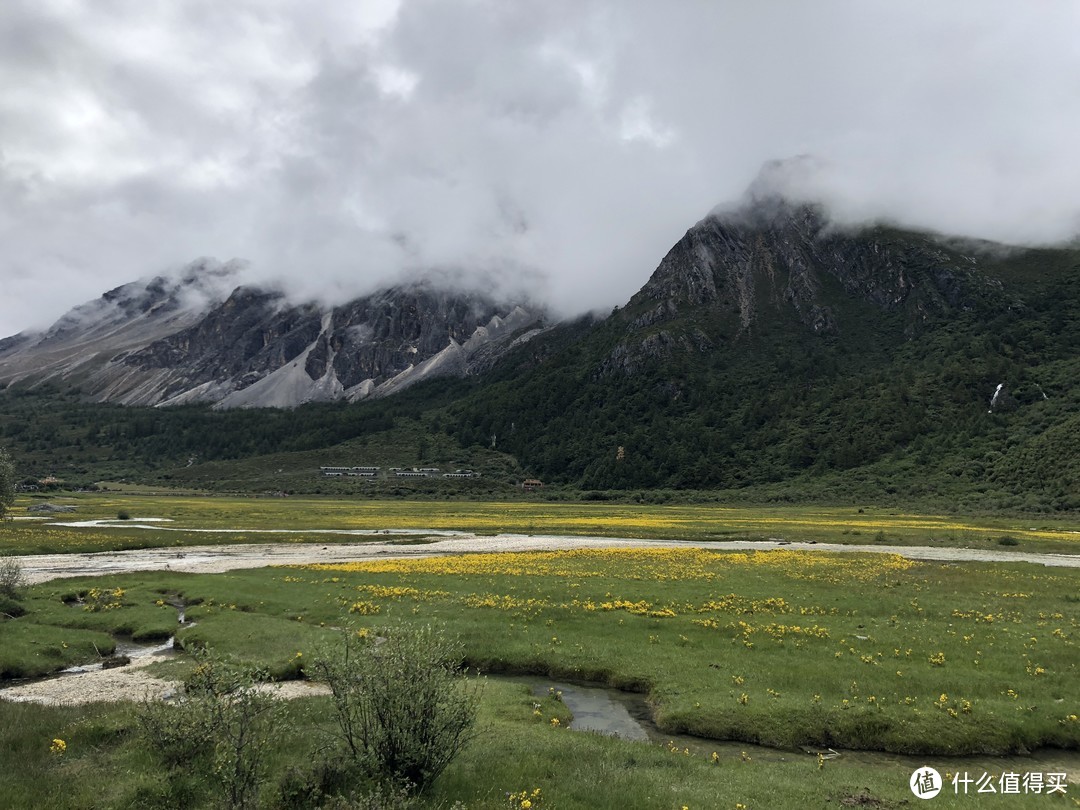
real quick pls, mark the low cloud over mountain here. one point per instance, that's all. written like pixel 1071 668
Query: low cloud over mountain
pixel 553 149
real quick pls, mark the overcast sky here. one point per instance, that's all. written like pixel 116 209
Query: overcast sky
pixel 563 145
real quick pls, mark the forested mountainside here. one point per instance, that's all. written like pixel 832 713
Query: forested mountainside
pixel 769 350
pixel 770 347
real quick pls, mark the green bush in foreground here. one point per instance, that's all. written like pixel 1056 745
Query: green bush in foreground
pixel 220 725
pixel 12 580
pixel 403 707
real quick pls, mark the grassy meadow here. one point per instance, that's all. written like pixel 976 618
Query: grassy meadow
pixel 789 649
pixel 781 648
pixel 104 765
pixel 223 520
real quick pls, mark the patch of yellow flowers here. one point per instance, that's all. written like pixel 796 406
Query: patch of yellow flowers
pixel 670 564
pixel 525 800
pixel 98 599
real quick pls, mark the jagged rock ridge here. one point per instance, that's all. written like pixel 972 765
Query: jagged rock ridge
pixel 123 319
pixel 770 259
pixel 143 345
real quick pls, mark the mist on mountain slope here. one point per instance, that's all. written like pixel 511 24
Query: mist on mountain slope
pixel 553 149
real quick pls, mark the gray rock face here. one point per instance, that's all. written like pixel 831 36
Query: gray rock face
pixel 145 344
pixel 773 261
pixel 629 357
pixel 123 320
pixel 772 256
pixel 201 338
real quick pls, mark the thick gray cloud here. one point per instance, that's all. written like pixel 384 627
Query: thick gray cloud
pixel 556 147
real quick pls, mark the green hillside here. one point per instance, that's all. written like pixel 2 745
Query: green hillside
pixel 823 366
pixel 879 409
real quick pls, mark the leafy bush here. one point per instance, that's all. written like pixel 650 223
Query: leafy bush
pixel 123 514
pixel 220 725
pixel 12 579
pixel 404 708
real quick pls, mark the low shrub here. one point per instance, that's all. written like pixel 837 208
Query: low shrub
pixel 404 708
pixel 12 579
pixel 220 726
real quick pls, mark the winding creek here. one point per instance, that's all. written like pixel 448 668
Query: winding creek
pixel 602 710
pixel 128 655
pixel 131 650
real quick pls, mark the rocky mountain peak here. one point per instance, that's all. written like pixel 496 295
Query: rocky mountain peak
pixel 774 259
pixel 774 256
pixel 198 337
pixel 123 319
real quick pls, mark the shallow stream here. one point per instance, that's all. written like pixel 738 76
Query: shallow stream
pixel 125 648
pixel 603 710
pixel 128 649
